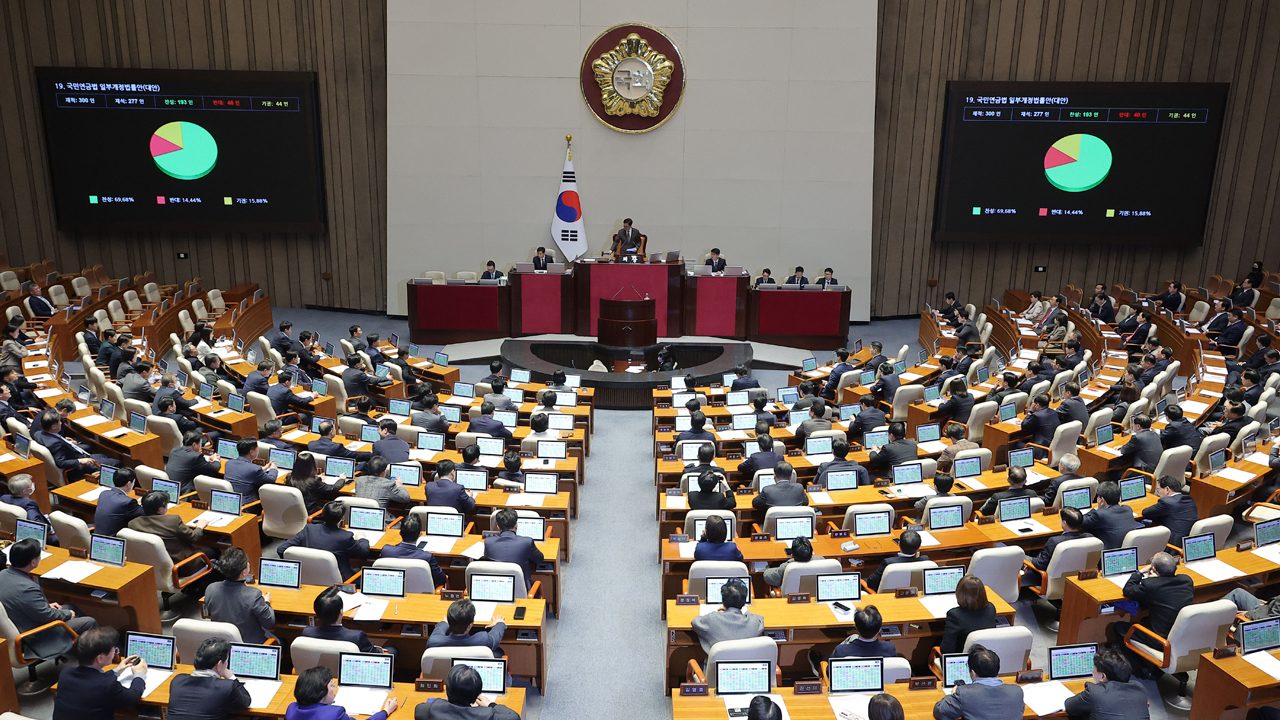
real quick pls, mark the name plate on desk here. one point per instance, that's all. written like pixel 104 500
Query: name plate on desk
pixel 199 504
pixel 687 599
pixel 924 682
pixel 986 519
pixel 512 489
pixel 451 595
pixel 668 458
pixel 798 598
pixel 78 553
pixel 733 456
pixel 693 689
pixel 675 492
pixel 795 453
pixel 883 483
pixel 778 635
pixel 813 488
pixel 745 491
pixel 426 685
pixel 1051 510
pixel 1087 575
pixel 808 687
pixel 999 468
pixel 1224 651
pixel 490 533
pixel 678 538
pixel 759 537
pixel 916 527
pixel 1244 546
pixel 1030 676
pixel 907 592
pixel 836 534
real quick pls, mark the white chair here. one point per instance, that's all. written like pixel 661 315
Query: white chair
pixel 692 517
pixel 489 567
pixel 906 396
pixel 906 574
pixel 72 532
pixel 189 633
pixel 81 287
pixel 53 477
pixel 1199 311
pixel 260 405
pixel 1019 400
pixel 9 281
pixel 1237 445
pixel 964 503
pixel 417 574
pixel 757 649
pixel 1012 644
pixel 1068 558
pixel 1097 419
pixel 436 662
pixel 307 652
pixel 896 670
pixel 772 514
pixel 680 445
pixel 983 455
pixel 137 406
pixel 803 577
pixel 152 293
pixel 216 301
pixel 1135 407
pixel 437 277
pixel 284 511
pixel 205 485
pixel 1148 541
pixel 1076 484
pixel 132 302
pixel 852 510
pixel 979 417
pixel 167 430
pixel 1219 525
pixel 148 549
pixel 1172 462
pixel 700 570
pixel 116 395
pixel 148 475
pixel 58 296
pixel 1199 629
pixel 198 308
pixel 999 569
pixel 21 654
pixel 1273 310
pixel 1209 446
pixel 467 275
pixel 319 567
pixel 10 514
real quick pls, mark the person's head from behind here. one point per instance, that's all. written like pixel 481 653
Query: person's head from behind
pixel 884 707
pixel 783 472
pixel 98 646
pixel 539 422
pixel 801 549
pixel 759 401
pixel 817 409
pixel 942 482
pixel 956 432
pixel 1109 492
pixel 697 421
pixel 971 594
pixel 506 520
pixel 983 663
pixel 909 543
pixel 332 514
pixel 328 606
pixel 155 502
pixel 763 708
pixel 840 447
pixel 1017 477
pixel 304 467
pixel 470 454
pixel 1072 519
pixel 868 622
pixel 764 443
pixel 463 685
pixel 211 652
pixel 316 686
pixel 25 554
pixel 715 530
pixel 1164 564
pixel 511 462
pixel 708 481
pixel 460 616
pixel 125 478
pixel 1111 666
pixel 897 431
pixel 733 594
pixel 867 402
pixel 444 469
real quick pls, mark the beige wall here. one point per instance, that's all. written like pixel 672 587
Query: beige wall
pixel 769 156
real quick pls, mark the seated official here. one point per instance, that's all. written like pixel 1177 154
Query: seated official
pixel 285 401
pixel 942 484
pixel 122 361
pixel 234 601
pixel 1234 419
pixel 974 612
pixel 708 495
pixel 259 380
pixel 28 608
pixel 866 642
pixel 376 483
pixel 430 418
pixel 137 385
pixel 89 691
pixel 986 696
pixel 899 450
pixel 283 341
pixel 110 344
pixel 1111 695
pixel 169 388
pixel 733 621
pixel 869 418
pixel 357 382
pixel 91 339
pixel 758 403
pixel 697 430
pixel 764 458
pixel 1253 608
pixel 314 695
pixel 967 333
pixel 21 490
pixel 471 459
pixel 273 435
pixel 305 476
pixel 211 691
pixel 841 463
pixel 1042 422
pixel 1017 489
pixel 165 407
pixel 626 241
pixel 488 424
pixel 743 380
pixel 960 404
pixel 1173 509
pixel 392 447
pixel 491 271
pixel 766 278
pixel 949 371
pixel 116 506
pixel 956 433
pixel 407 549
pixel 908 551
pixel 715 262
pixel 444 491
pixel 245 475
pixel 8 410
pixel 1036 373
pixel 785 492
pixel 328 445
pixel 1178 431
pixel 510 475
pixel 213 371
pixel 329 535
pixel 1036 309
pixel 559 380
pixel 798 278
pixel 801 553
pixel 1008 385
pixel 68 455
pixel 179 538
pixel 807 394
pixel 509 547
pixel 887 386
pixel 714 543
pixel 1102 309
pixel 456 631
pixel 64 407
pixel 328 609
pixel 1129 394
pixel 1072 529
pixel 841 367
pixel 463 701
pixel 539 424
pixel 541 259
pixel 1072 408
pixel 1109 521
pixel 827 279
pixel 816 421
pixel 499 400
pixel 1162 593
pixel 364 408
pixel 1067 465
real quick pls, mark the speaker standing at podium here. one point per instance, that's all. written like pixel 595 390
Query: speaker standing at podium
pixel 627 240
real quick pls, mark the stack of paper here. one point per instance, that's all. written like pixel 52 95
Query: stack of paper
pixel 215 519
pixel 910 376
pixel 73 571
pixel 490 461
pixel 677 502
pixel 938 605
pixel 687 549
pixel 475 552
pixel 842 615
pixel 972 483
pixel 1193 407
pixel 1257 458
pixel 440 545
pixel 820 498
pixel 1026 527
pixel 359 700
pixel 93 494
pixel 927 539
pixel 1118 580
pixel 848 706
pixel 261 692
pixel 1214 570
pixel 1269 552
pixel 48 392
pixel 420 455
pixel 458 400
pixel 484 611
pixel 819 459
pixel 1045 698
pixel 372 536
pixel 371 611
pixel 1110 450
pixel 1236 475
pixel 1264 661
pixel 732 436
pixel 117 432
pixel 933 446
pixel 154 678
pixel 916 490
pixel 90 420
pixel 525 500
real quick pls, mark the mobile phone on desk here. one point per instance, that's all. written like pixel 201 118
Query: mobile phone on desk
pixel 520 612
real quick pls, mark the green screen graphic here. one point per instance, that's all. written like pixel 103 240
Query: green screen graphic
pixel 1077 163
pixel 184 150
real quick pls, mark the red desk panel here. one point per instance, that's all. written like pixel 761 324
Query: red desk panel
pixel 458 313
pixel 716 306
pixel 808 319
pixel 540 297
pixel 612 281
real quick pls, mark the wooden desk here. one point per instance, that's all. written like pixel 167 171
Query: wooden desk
pixel 131 602
pixel 8 691
pixel 1231 683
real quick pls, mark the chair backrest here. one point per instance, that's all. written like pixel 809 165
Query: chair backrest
pixel 319 567
pixel 216 301
pixel 1097 418
pixel 757 649
pixel 692 517
pixel 1012 644
pixel 10 633
pixel 17 428
pixel 116 311
pixel 1064 441
pixel 9 281
pixel 52 475
pixel 1199 629
pixel 1273 310
pixel 81 287
pixel 1042 386
pixel 8 515
pixel 489 567
pixel 152 291
pixel 1135 407
pixel 700 570
pixel 906 396
pixel 772 514
pixel 149 549
pixel 137 406
pixel 58 296
pixel 832 433
pixel 72 532
pixel 226 390
pixel 1060 379
pixel 132 301
pixel 1219 525
pixel 467 438
pixel 167 430
pixel 1237 444
pixel 979 417
pixel 897 669
pixel 198 308
pixel 1085 482
pixel 417 574
pixel 999 569
pixel 116 395
pixel 802 577
pixel 1069 558
pixel 189 633
pixel 437 276
pixel 847 523
pixel 352 426
pixel 436 662
pixel 1208 446
pixel 308 652
pixel 1173 462
pixel 1199 311
pixel 262 410
pixel 965 504
pixel 907 574
pixel 147 476
pixel 465 275
pixel 1149 541
pixel 520 513
pixel 205 485
pixel 1019 400
pixel 284 511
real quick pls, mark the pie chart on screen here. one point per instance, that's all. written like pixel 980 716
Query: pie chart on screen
pixel 1077 163
pixel 184 150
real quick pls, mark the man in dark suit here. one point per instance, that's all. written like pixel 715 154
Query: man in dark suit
pixel 743 381
pixel 284 400
pixel 985 696
pixel 283 341
pixel 949 370
pixel 1041 421
pixel 212 691
pixel 1218 319
pixel 1067 465
pixel 430 418
pixel 89 691
pixel 785 492
pixel 259 381
pixel 715 262
pixel 1245 295
pixel 1254 362
pixel 28 608
pixel 391 446
pixel 966 361
pixel 706 458
pixel 1149 369
pixel 898 451
pixel 708 495
pixel 1171 298
pixel 759 402
pixel 908 551
pixel 1102 309
pixel 456 630
pixel 827 279
pixel 1057 305
pixel 7 410
pixel 764 458
pixel 491 271
pixel 866 642
pixel 66 454
pixel 91 339
pixel 1141 330
pixel 169 389
pixel 1179 431
pixel 1111 695
pixel 116 505
pixel 765 278
pixel 541 259
pixel 179 538
pixel 40 305
pixel 463 700
pixel 1074 355
pixel 507 546
pixel 443 491
pixel 1143 449
pixel 21 490
pixel 887 386
pixel 949 307
pixel 1109 521
pixel 1272 364
pixel 870 417
pixel 1228 341
pixel 1072 529
pixel 272 434
pixel 328 610
pixel 245 475
pixel 356 381
pixel 798 278
pixel 486 423
pixel 326 444
pixel 1162 593
pixel 1252 386
pixel 1017 489
pixel 841 463
pixel 1072 408
pixel 407 549
pixel 967 332
pixel 1233 421
pixel 107 348
pixel 186 462
pixel 329 535
pixel 1174 509
pixel 626 240
pixel 697 429
pixel 877 356
pixel 137 385
pixel 833 379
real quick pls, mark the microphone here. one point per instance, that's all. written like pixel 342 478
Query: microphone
pixel 637 292
pixel 620 289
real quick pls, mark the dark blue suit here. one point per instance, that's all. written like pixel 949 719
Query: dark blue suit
pixel 1041 424
pixel 1232 336
pixel 7 411
pixel 744 383
pixel 887 386
pixel 1182 432
pixel 87 693
pixel 758 461
pixel 828 391
pixel 65 455
pixel 342 634
pixel 1041 561
pixel 392 448
pixel 717 551
pixel 487 424
pixel 92 342
pixel 857 647
pixel 282 399
pixel 510 547
pixel 489 638
pixel 33 513
pixel 205 698
pixel 1110 524
pixel 115 510
pixel 256 382
pixel 341 543
pixel 408 551
pixel 1176 512
pixel 326 446
pixel 179 402
pixel 246 477
pixel 447 493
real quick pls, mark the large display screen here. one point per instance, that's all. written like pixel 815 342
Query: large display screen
pixel 182 149
pixel 1082 162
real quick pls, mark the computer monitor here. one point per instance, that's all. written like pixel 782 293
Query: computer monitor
pixel 493 673
pixel 817 446
pixel 795 417
pixel 491 445
pixel 280 573
pixel 107 476
pixel 943 580
pixel 955 669
pixel 399 407
pixel 557 449
pixel 206 391
pixel 907 473
pixel 532 527
pixel 1120 561
pixel 727 379
pixel 1134 488
pixel 877 439
pixel 966 467
pixel 809 364
pixel 559 421
pixel 317 421
pixel 716 584
pixel 700 525
pixel 441 359
pixel 369 433
pixel 923 357
pixel 477 480
pixel 741 397
pixel 677 383
pixel 840 586
pixel 1015 509
pixel 765 479
pixel 787 395
pixel 842 480
pixel 483 587
pixel 788 528
pixel 106 550
pixel 382 582
pixel 108 409
pixel 515 395
pixel 933 392
pixel 983 374
pixel 867 377
pixel 284 459
pixel 566 399
pixel 227 449
pixel 157 650
pixel 339 467
pixel 235 402
pixel 409 474
pixel 1077 498
pixel 945 517
pixel 508 418
pixel 1266 532
pixel 573 381
pixel 363 518
pixel 452 413
pixel 928 433
pixel 853 675
pixel 1023 458
pixel 520 375
pixel 227 503
pixel 138 422
pixel 22 446
pixel 1217 459
pixel 683 422
pixel 1160 406
pixel 744 421
pixel 541 483
pixel 256 662
pixel 1198 547
pixel 26 529
pixel 900 367
pixel 1008 411
pixel 848 412
pixel 1104 434
pixel 381 371
pixel 371 670
pixel 871 523
pixel 431 441
pixel 1067 662
pixel 444 524
pixel 1259 635
pixel 461 389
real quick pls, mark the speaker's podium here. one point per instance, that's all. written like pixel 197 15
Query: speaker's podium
pixel 627 323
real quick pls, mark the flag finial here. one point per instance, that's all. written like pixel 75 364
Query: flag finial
pixel 568 140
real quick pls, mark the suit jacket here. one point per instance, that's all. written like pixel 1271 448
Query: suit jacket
pixel 487 424
pixel 1105 312
pixel 1109 524
pixel 1231 335
pixel 842 465
pixel 283 399
pixel 627 239
pixel 393 448
pixel 1253 395
pixel 241 605
pixel 781 494
pixel 409 551
pixel 320 711
pixel 256 382
pixel 507 546
pixel 1143 449
pixel 873 580
pixel 185 464
pixel 764 281
pixel 65 455
pixel 381 489
pixel 342 634
pixel 180 403
pixel 341 543
pixel 490 637
pixel 432 422
pixel 717 264
pixel 1163 598
pixel 854 646
pixel 246 477
pixel 197 697
pixel 758 461
pixel 357 382
pixel 948 457
pixel 967 333
pixel 332 448
pixel 960 622
pixel 699 500
pixel 500 402
pixel 837 372
pixel 726 551
pixel 895 453
pixel 887 386
pixel 105 351
pixel 7 411
pixel 1073 409
pixel 34 514
pixel 1182 432
pixel 979 701
pixel 1111 700
pixel 442 709
pixel 727 625
pixel 1041 425
pixel 1176 512
pixel 1139 335
pixel 993 503
pixel 491 275
pixel 744 383
pixel 447 493
pixel 540 263
pixel 958 407
pixel 25 603
pixel 87 693
pixel 1233 427
pixel 867 420
pixel 115 510
pixel 179 538
pixel 1051 492
pixel 282 343
pixel 791 280
pixel 1041 561
pixel 812 425
pixel 93 342
pixel 136 387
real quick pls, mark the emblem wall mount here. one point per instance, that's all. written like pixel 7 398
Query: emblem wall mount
pixel 632 78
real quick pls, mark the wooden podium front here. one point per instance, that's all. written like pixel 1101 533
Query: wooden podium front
pixel 628 323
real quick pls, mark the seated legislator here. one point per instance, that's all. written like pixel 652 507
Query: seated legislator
pixel 283 341
pixel 179 538
pixel 488 424
pixel 491 271
pixel 509 547
pixel 827 279
pixel 91 339
pixel 463 700
pixel 541 259
pixel 841 463
pixel 959 443
pixel 841 367
pixel 1171 298
pixel 1072 408
pixel 986 696
pixel 1112 695
pixel 715 262
pixel 1067 465
pixel 967 333
pixel 808 395
pixel 816 422
pixel 245 475
pixel 866 642
pixel 899 450
pixel 89 691
pixel 499 400
pixel 764 458
pixel 21 490
pixel 714 543
pixel 1072 529
pixel 1162 593
pixel 733 621
pixel 948 363
pixel 626 241
pixel 1228 341
pixel 1041 421
pixel 430 418
pixel 697 430
pixel 357 382
pixel 908 551
pixel 1109 521
pixel 259 380
pixel 1173 509
pixel 364 406
pixel 707 496
pixel 766 278
pixel 870 418
pixel 1178 431
pixel 328 610
pixel 165 407
pixel 960 404
pixel 211 691
pixel 456 631
pixel 273 435
pixel 510 475
pixel 1143 449
pixel 376 483
pixel 798 278
pixel 759 403
pixel 110 344
pixel 443 491
pixel 234 601
pixel 137 384
pixel 329 535
pixel 974 612
pixel 1007 385
pixel 1102 309
pixel 391 446
pixel 28 608
pixel 743 379
pixel 8 410
pixel 169 388
pixel 1036 309
pixel 284 400
pixel 942 483
pixel 801 553
pixel 116 506
pixel 68 455
pixel 784 492
pixel 407 549
pixel 887 386
pixel 327 445
pixel 314 695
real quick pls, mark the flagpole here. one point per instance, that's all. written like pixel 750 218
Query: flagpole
pixel 568 141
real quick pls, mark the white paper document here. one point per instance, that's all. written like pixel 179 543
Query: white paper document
pixel 819 459
pixel 1026 527
pixel 732 436
pixel 927 539
pixel 422 455
pixel 687 549
pixel 915 490
pixel 458 400
pixel 850 705
pixel 677 502
pixel 1269 552
pixel 484 611
pixel 441 545
pixel 842 615
pixel 1257 458
pixel 1215 570
pixel 938 605
pixel 215 519
pixel 90 420
pixel 1236 474
pixel 372 536
pixel 820 498
pixel 1264 661
pixel 36 364
pixel 93 494
pixel 972 483
pixel 1108 449
pixel 73 571
pixel 359 700
pixel 1193 407
pixel 1118 580
pixel 740 409
pixel 371 611
pixel 48 392
pixel 7 457
pixel 154 678
pixel 261 692
pixel 525 500
pixel 932 447
pixel 910 376
pixel 293 435
pixel 1045 698
pixel 475 552
pixel 118 432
